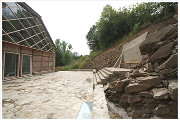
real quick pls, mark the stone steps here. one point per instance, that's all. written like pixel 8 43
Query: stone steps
pixel 103 80
pixel 101 77
pixel 107 72
pixel 105 75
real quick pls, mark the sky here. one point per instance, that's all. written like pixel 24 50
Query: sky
pixel 71 20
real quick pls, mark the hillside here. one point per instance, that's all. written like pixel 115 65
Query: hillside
pixel 110 56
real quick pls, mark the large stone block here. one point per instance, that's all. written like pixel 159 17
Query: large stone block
pixel 150 81
pixel 157 36
pixel 161 53
pixel 120 85
pixel 173 90
pixel 171 62
pixel 137 114
pixel 124 98
pixel 161 110
pixel 149 67
pixel 151 104
pixel 147 110
pixel 146 94
pixel 136 87
pixel 134 98
pixel 160 93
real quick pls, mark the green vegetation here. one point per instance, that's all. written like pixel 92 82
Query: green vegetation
pixel 78 64
pixel 115 26
pixel 112 28
pixel 64 56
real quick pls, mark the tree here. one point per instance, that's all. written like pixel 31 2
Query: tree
pixel 59 54
pixel 114 25
pixel 64 54
pixel 92 38
pixel 106 27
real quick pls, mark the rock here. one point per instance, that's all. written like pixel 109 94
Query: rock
pixel 108 86
pixel 136 87
pixel 149 99
pixel 168 70
pixel 173 36
pixel 146 116
pixel 149 67
pixel 174 111
pixel 155 117
pixel 173 90
pixel 161 110
pixel 156 64
pixel 136 105
pixel 129 109
pixel 120 84
pixel 137 114
pixel 114 97
pixel 172 80
pixel 174 51
pixel 150 81
pixel 124 97
pixel 151 104
pixel 144 59
pixel 134 98
pixel 161 53
pixel 147 110
pixel 108 93
pixel 175 17
pixel 171 62
pixel 128 75
pixel 165 83
pixel 156 70
pixel 152 74
pixel 157 36
pixel 136 73
pixel 146 94
pixel 160 93
pixel 159 86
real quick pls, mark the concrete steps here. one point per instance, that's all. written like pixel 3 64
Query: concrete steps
pixel 101 78
pixel 104 75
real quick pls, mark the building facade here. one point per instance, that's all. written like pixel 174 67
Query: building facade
pixel 27 46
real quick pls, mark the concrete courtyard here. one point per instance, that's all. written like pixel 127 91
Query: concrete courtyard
pixel 57 95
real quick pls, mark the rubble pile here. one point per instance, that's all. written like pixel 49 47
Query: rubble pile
pixel 151 89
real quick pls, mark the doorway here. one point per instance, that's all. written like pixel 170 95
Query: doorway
pixel 11 65
pixel 26 64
